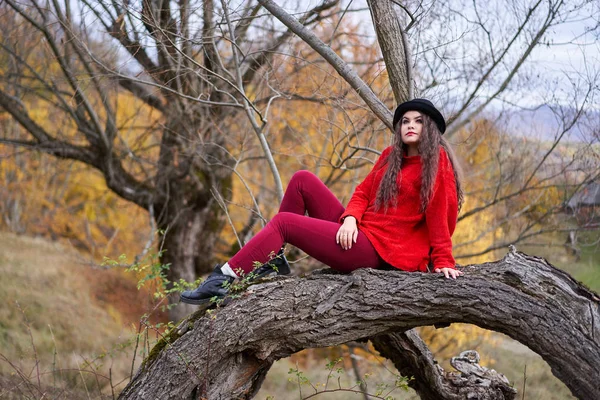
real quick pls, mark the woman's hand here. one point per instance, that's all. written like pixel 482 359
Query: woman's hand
pixel 449 272
pixel 347 234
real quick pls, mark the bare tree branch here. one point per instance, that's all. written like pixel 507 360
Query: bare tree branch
pixel 348 74
pixel 552 13
pixel 412 357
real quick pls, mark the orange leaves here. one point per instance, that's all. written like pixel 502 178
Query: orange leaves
pixel 515 188
pixel 40 195
pixel 449 342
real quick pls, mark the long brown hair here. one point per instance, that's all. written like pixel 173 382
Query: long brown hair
pixel 429 149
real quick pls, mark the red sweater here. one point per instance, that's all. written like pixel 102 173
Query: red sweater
pixel 404 236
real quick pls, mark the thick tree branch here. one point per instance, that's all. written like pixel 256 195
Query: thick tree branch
pixel 264 57
pixel 117 178
pixel 392 44
pixel 227 354
pixel 140 91
pixel 16 108
pixel 412 357
pixel 211 55
pixel 56 148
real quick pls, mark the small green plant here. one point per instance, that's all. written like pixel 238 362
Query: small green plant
pixel 334 372
pixel 237 287
pixel 151 271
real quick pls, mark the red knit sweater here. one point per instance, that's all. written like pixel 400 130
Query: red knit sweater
pixel 405 237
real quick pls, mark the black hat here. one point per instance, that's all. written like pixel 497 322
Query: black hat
pixel 424 106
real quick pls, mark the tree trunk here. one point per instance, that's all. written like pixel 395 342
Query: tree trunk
pixel 186 209
pixel 392 43
pixel 227 354
pixel 189 242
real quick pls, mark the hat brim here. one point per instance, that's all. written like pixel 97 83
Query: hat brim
pixel 431 111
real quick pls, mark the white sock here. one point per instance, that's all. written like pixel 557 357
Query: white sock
pixel 226 270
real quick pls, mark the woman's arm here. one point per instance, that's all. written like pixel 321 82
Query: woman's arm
pixel 362 194
pixel 348 232
pixel 440 216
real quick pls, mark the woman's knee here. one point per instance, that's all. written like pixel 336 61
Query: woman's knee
pixel 281 223
pixel 281 219
pixel 302 176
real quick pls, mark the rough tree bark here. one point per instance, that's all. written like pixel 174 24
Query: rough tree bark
pixel 412 357
pixel 389 35
pixel 226 355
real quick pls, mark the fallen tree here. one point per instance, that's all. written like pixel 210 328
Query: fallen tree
pixel 227 353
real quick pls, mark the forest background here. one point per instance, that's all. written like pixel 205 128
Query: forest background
pixel 94 137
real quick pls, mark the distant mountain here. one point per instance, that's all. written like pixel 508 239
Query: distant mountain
pixel 548 122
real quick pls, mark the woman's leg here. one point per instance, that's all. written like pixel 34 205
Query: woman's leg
pixel 314 236
pixel 306 193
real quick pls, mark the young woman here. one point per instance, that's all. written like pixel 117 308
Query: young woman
pixel 402 215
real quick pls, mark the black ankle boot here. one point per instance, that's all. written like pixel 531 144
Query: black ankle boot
pixel 278 265
pixel 216 285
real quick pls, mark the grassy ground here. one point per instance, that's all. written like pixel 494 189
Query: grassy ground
pixel 585 269
pixel 529 374
pixel 336 383
pixel 63 324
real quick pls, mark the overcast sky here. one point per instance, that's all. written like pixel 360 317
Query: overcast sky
pixel 572 55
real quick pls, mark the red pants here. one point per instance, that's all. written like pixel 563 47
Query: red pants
pixel 314 234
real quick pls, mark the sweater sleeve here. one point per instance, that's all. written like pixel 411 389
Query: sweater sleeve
pixel 362 195
pixel 441 215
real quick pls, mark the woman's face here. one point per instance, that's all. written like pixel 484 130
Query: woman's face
pixel 411 127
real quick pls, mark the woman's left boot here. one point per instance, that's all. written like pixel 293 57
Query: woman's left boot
pixel 215 286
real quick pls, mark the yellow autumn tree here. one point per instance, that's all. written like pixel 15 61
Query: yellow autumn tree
pixel 62 199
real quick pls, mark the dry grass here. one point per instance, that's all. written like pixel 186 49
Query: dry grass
pixel 501 353
pixel 280 384
pixel 527 371
pixel 62 324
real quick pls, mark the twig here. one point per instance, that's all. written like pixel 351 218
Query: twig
pixel 357 374
pixel 137 342
pixel 524 381
pixel 37 361
pixel 55 353
pixel 223 206
pixel 84 384
pixel 112 388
